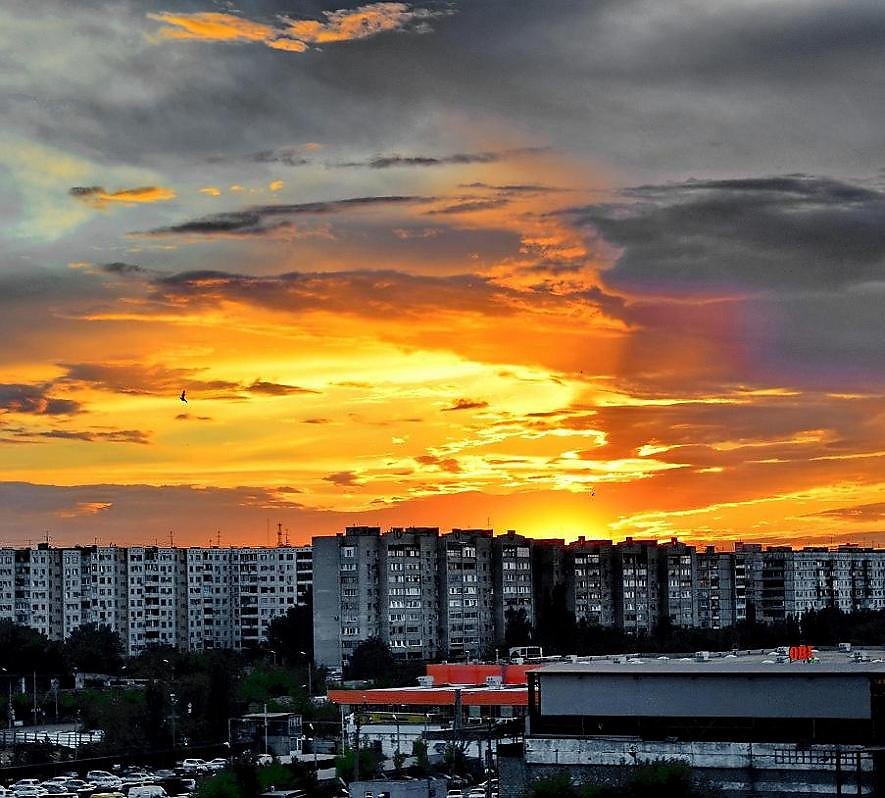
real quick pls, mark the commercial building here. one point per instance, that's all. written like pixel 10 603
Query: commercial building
pixel 754 724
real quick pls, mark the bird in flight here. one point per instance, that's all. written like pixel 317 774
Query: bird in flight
pixel 182 396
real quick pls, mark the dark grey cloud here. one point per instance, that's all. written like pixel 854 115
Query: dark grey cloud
pixel 262 219
pixel 119 267
pixel 469 206
pixel 456 159
pixel 770 232
pixel 367 293
pixel 35 400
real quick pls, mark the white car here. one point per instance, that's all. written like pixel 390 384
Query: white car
pixel 24 783
pixel 29 792
pixel 216 764
pixel 194 765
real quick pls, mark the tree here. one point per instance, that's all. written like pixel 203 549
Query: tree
pixel 94 649
pixel 372 660
pixel 517 629
pixel 24 651
pixel 368 763
pixel 291 635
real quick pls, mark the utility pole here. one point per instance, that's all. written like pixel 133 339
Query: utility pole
pixel 356 748
pixel 265 728
pixel 34 685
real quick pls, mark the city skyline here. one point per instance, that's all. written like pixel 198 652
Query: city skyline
pixel 566 268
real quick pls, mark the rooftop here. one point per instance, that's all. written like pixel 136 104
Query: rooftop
pixel 775 661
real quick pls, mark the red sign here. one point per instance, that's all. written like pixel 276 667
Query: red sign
pixel 801 652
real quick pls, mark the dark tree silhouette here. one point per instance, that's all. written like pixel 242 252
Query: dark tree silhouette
pixel 94 649
pixel 372 660
pixel 517 629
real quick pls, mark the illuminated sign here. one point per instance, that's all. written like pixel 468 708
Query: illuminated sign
pixel 801 653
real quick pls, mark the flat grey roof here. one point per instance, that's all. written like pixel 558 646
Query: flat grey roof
pixel 829 663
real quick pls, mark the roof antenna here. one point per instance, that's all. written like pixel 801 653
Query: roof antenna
pixel 279 534
pixel 171 539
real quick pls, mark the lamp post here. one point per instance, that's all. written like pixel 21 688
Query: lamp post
pixel 313 744
pixel 309 672
pixel 398 751
pixel 172 700
pixel 10 712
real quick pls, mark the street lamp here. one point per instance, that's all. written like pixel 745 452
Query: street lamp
pixel 398 751
pixel 172 718
pixel 10 712
pixel 313 744
pixel 271 651
pixel 309 672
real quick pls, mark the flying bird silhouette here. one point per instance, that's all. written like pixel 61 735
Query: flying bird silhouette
pixel 182 396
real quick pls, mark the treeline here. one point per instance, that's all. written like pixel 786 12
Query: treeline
pixel 194 691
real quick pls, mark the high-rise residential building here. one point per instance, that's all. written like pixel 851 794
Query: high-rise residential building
pixel 467 617
pixel 548 575
pixel 71 591
pixel 347 593
pixel 7 584
pixel 267 582
pixel 104 588
pixel 409 580
pixel 157 598
pixel 747 581
pixel 210 598
pixel 677 575
pixel 512 580
pixel 37 598
pixel 590 581
pixel 714 591
pixel 636 585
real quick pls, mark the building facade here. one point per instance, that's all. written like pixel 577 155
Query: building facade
pixel 191 599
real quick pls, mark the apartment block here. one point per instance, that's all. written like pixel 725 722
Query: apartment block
pixel 715 596
pixel 157 598
pixel 267 582
pixel 7 584
pixel 636 593
pixel 590 581
pixel 512 580
pixel 467 618
pixel 409 579
pixel 347 592
pixel 678 580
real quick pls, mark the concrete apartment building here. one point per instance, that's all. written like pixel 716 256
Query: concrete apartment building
pixel 188 598
pixel 589 579
pixel 715 592
pixel 409 575
pixel 467 618
pixel 512 580
pixel 678 580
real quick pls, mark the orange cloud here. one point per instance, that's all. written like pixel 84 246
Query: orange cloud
pixel 211 26
pixel 296 34
pixel 211 191
pixel 98 197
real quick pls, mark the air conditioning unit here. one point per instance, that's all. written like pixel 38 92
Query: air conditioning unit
pixel 425 681
pixel 572 657
pixel 782 659
pixel 494 682
pixel 845 647
pixel 785 650
pixel 701 656
pixel 620 659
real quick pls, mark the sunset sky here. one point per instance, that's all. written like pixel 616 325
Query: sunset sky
pixel 600 268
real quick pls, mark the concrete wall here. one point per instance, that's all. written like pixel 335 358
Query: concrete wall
pixel 734 768
pixel 707 695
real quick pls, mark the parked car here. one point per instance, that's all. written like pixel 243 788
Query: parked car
pixel 264 759
pixel 147 791
pixel 79 785
pixel 29 791
pixel 219 763
pixel 24 783
pixel 193 765
pixel 54 788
